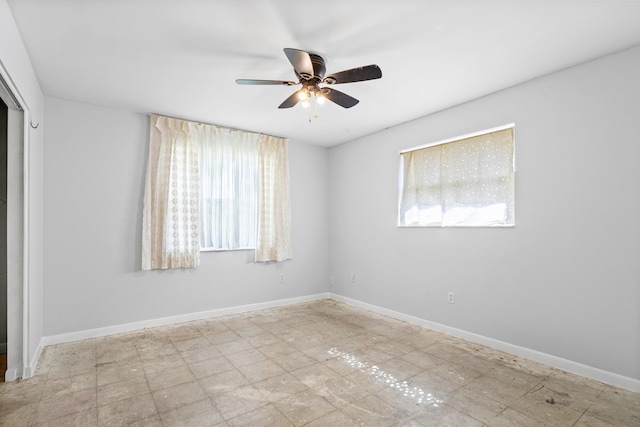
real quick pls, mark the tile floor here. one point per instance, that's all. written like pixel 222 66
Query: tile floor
pixel 322 363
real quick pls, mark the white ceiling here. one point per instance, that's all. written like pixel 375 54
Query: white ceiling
pixel 181 57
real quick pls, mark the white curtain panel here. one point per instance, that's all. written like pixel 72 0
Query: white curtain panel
pixel 229 180
pixel 478 180
pixel 171 217
pixel 274 217
pixel 421 194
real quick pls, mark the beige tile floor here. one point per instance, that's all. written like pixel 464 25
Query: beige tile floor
pixel 322 363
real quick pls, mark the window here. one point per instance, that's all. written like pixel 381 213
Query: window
pixel 463 182
pixel 213 188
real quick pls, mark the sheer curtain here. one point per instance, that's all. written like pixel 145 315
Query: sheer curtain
pixel 477 180
pixel 209 187
pixel 274 217
pixel 469 182
pixel 421 188
pixel 229 180
pixel 171 217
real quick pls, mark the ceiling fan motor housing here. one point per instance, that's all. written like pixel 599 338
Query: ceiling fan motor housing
pixel 319 68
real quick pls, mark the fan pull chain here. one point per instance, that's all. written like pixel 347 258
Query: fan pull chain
pixel 313 104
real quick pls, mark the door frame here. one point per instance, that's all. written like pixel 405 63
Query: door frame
pixel 18 298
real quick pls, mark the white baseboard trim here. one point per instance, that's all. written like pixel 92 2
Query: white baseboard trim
pixel 10 375
pixel 30 370
pixel 136 326
pixel 547 359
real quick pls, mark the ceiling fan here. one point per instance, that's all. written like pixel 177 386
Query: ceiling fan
pixel 310 70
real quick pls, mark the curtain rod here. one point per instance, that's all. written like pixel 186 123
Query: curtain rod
pixel 458 138
pixel 212 124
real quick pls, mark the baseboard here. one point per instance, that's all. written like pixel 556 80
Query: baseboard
pixel 136 326
pixel 547 359
pixel 10 375
pixel 29 370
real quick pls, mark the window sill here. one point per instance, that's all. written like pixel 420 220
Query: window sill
pixel 459 226
pixel 226 250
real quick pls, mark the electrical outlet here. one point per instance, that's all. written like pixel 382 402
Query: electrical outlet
pixel 332 280
pixel 281 277
pixel 353 277
pixel 451 297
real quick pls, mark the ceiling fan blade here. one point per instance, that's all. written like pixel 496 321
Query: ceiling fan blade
pixel 342 99
pixel 301 62
pixel 368 72
pixel 264 82
pixel 291 101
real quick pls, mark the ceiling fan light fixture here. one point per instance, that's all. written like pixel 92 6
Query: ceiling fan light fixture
pixel 303 95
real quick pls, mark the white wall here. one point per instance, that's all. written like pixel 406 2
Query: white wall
pixel 95 163
pixel 566 280
pixel 16 68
